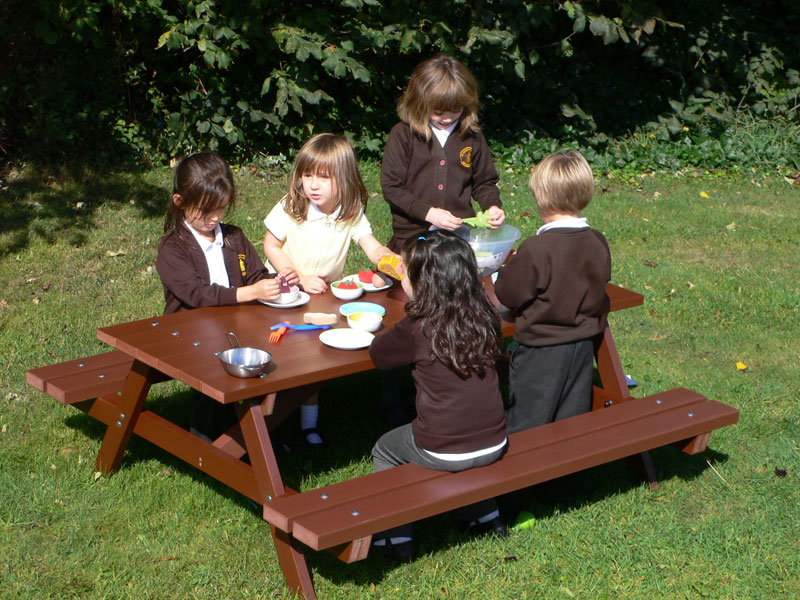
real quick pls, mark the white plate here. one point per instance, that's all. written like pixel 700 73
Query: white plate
pixel 303 298
pixel 346 339
pixel 368 287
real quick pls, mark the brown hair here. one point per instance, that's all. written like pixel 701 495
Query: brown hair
pixel 460 324
pixel 562 183
pixel 330 155
pixel 204 182
pixel 441 83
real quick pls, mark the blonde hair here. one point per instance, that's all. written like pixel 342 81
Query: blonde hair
pixel 444 84
pixel 562 183
pixel 331 155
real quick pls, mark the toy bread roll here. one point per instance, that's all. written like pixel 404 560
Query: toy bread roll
pixel 320 318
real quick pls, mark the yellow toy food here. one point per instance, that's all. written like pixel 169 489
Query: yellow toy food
pixel 390 264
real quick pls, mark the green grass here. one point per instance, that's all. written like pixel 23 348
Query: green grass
pixel 719 278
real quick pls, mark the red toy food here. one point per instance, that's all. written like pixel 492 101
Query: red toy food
pixel 365 276
pixel 347 285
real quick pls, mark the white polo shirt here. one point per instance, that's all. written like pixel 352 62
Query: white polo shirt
pixel 213 253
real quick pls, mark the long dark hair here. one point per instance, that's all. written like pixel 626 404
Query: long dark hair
pixel 450 303
pixel 204 182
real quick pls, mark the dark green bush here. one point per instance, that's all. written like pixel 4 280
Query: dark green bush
pixel 94 79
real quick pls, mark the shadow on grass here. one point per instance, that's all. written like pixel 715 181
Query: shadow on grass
pixel 55 206
pixel 351 423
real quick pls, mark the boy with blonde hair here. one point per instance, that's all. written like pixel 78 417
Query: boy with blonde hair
pixel 556 284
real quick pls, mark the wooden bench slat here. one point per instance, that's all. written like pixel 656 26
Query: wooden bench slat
pixel 282 514
pixel 384 509
pixel 80 379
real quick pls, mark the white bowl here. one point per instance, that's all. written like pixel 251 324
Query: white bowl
pixel 347 294
pixel 368 321
pixel 290 296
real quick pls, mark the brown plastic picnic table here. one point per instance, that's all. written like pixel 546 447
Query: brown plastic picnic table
pixel 181 346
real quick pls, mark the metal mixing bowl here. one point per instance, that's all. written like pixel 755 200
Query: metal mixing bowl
pixel 243 361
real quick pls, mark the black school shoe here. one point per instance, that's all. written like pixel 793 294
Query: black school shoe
pixel 494 526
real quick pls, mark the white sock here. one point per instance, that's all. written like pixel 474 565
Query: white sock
pixel 309 414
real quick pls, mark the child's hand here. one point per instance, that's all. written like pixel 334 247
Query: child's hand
pixel 496 216
pixel 265 289
pixel 290 275
pixel 443 219
pixel 313 284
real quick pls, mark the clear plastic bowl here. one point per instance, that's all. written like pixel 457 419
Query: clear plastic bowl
pixel 491 246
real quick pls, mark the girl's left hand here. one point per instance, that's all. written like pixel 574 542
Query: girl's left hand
pixel 496 216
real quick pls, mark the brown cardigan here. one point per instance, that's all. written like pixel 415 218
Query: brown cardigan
pixel 556 284
pixel 454 415
pixel 417 175
pixel 183 269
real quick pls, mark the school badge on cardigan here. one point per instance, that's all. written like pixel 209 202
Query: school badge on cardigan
pixel 242 267
pixel 466 157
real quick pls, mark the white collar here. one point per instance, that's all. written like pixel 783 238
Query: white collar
pixel 568 223
pixel 315 214
pixel 205 243
pixel 443 134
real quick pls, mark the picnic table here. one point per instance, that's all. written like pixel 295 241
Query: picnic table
pixel 112 388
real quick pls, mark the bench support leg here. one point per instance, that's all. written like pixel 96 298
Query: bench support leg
pixel 265 467
pixel 642 469
pixel 119 431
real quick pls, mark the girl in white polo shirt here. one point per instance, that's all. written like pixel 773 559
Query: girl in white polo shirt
pixel 311 228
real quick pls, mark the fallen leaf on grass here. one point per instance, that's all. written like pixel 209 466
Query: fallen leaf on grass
pixel 511 558
pixel 731 226
pixel 97 475
pixel 704 195
pixel 740 366
pixel 690 285
pixel 792 179
pixel 649 263
pixel 525 215
pixel 114 253
pixel 672 293
pixel 780 472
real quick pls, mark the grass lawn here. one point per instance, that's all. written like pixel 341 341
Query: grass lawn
pixel 717 259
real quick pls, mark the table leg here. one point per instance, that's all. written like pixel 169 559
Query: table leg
pixel 270 485
pixel 615 388
pixel 609 367
pixel 137 385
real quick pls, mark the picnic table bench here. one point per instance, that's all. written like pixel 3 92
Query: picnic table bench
pixel 342 517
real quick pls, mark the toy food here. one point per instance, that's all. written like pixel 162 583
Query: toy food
pixel 365 276
pixel 390 264
pixel 378 281
pixel 346 285
pixel 479 220
pixel 315 318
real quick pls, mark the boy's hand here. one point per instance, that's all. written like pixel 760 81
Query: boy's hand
pixel 266 289
pixel 313 284
pixel 496 216
pixel 443 219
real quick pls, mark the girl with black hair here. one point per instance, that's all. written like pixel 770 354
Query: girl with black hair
pixel 450 336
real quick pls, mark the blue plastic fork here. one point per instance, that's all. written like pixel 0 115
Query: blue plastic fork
pixel 305 327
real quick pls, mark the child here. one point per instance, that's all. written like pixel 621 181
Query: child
pixel 436 159
pixel 310 229
pixel 203 262
pixel 450 337
pixel 556 283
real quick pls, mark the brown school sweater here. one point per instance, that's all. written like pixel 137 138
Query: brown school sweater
pixel 183 269
pixel 556 284
pixel 417 175
pixel 454 415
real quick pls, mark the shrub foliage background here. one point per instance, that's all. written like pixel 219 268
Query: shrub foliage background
pixel 157 78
